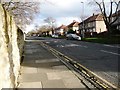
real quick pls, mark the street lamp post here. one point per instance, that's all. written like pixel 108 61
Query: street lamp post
pixel 83 20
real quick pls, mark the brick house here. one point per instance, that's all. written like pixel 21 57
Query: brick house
pixel 60 30
pixel 116 24
pixel 94 23
pixel 74 26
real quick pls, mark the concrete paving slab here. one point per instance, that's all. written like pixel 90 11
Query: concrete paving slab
pixel 46 61
pixel 53 76
pixel 41 65
pixel 60 68
pixel 49 64
pixel 53 84
pixel 25 69
pixel 34 77
pixel 45 70
pixel 73 82
pixel 28 61
pixel 65 74
pixel 30 85
pixel 29 51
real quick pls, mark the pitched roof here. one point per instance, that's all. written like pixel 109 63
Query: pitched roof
pixel 61 27
pixel 74 23
pixel 97 17
pixel 115 14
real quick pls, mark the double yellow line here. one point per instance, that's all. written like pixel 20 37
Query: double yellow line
pixel 100 81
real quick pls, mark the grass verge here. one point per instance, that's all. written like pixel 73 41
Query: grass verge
pixel 108 40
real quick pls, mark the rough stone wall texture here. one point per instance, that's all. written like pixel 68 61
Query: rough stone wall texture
pixel 11 49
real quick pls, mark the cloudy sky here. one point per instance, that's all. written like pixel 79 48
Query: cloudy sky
pixel 64 11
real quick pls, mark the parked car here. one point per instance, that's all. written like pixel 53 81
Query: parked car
pixel 73 37
pixel 55 36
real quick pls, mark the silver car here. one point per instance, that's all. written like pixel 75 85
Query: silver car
pixel 55 36
pixel 73 37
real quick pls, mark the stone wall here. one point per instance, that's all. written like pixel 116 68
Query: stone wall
pixel 11 49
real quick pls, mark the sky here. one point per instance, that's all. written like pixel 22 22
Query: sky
pixel 63 11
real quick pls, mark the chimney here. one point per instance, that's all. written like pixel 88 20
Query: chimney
pixel 93 14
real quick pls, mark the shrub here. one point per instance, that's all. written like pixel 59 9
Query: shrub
pixel 70 31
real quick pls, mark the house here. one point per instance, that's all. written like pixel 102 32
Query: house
pixel 94 23
pixel 60 30
pixel 73 26
pixel 116 24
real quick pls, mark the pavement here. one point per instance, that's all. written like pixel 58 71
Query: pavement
pixel 41 69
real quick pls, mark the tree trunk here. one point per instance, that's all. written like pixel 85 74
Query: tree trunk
pixel 109 29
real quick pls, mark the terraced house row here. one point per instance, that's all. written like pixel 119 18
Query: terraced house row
pixel 116 24
pixel 92 25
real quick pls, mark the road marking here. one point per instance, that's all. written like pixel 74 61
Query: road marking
pixel 111 46
pixel 72 45
pixel 83 46
pixel 55 52
pixel 110 52
pixel 60 46
pixel 47 42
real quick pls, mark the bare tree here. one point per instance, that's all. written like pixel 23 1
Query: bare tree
pixel 22 12
pixel 51 22
pixel 44 28
pixel 114 6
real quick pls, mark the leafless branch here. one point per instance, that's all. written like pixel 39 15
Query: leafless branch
pixel 108 17
pixel 22 11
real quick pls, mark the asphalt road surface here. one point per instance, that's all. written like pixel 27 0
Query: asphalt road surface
pixel 102 59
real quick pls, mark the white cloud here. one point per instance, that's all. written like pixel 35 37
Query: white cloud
pixel 66 20
pixel 29 27
pixel 61 8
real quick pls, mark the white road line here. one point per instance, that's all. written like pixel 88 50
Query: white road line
pixel 110 52
pixel 111 46
pixel 83 46
pixel 71 45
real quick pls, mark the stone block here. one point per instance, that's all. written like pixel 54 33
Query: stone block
pixel 28 69
pixel 53 84
pixel 33 77
pixel 30 85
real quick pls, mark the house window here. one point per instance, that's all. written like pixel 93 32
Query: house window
pixel 93 23
pixel 87 30
pixel 89 24
pixel 94 30
pixel 118 27
pixel 90 30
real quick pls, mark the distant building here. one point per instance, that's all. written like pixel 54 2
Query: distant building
pixel 61 30
pixel 94 23
pixel 73 26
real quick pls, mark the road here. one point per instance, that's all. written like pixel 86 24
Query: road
pixel 102 59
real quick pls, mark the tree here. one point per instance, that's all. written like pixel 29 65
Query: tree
pixel 44 28
pixel 22 12
pixel 70 31
pixel 107 16
pixel 51 22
